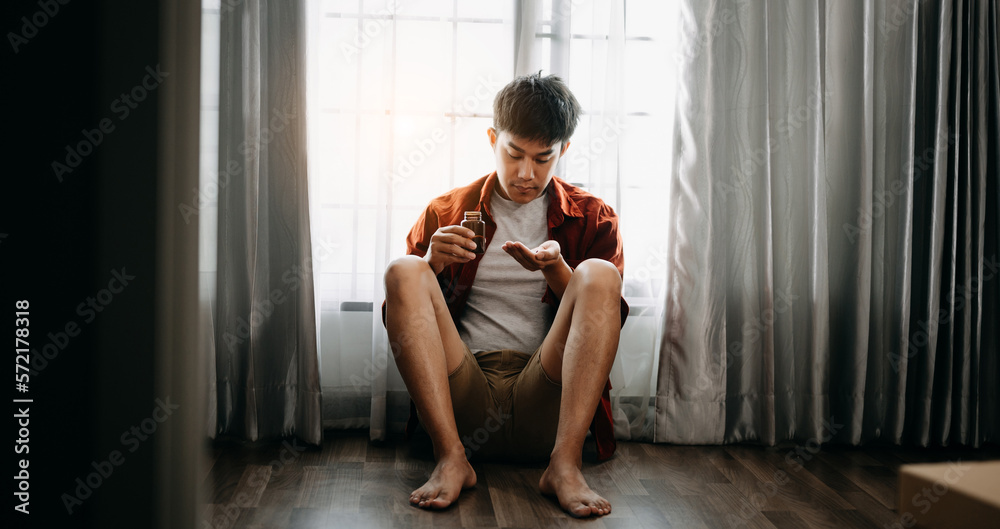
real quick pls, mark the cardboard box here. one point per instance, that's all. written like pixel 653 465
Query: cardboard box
pixel 949 495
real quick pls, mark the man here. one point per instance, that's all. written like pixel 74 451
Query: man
pixel 463 327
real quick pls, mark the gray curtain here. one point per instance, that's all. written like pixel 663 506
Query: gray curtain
pixel 833 264
pixel 266 364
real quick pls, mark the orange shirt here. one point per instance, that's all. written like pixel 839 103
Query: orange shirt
pixel 583 225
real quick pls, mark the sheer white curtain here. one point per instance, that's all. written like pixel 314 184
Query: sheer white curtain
pixel 400 97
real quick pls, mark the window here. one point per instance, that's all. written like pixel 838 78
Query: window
pixel 399 99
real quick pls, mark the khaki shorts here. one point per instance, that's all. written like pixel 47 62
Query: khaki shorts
pixel 506 407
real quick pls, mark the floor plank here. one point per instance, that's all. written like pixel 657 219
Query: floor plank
pixel 730 508
pixel 878 481
pixel 793 485
pixel 351 482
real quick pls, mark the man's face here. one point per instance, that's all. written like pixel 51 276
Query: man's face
pixel 524 167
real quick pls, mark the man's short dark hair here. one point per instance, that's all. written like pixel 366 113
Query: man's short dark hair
pixel 536 108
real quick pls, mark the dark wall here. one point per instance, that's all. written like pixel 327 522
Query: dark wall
pixel 78 238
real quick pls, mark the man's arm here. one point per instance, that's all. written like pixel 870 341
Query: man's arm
pixel 557 276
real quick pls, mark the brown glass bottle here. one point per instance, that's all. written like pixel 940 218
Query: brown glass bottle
pixel 473 221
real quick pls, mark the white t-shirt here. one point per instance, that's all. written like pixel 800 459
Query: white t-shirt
pixel 504 309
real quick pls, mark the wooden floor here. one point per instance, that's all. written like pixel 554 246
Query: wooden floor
pixel 350 482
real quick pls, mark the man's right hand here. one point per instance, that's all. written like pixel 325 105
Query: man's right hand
pixel 449 245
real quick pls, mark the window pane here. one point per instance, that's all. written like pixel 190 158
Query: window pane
pixel 376 72
pixel 341 6
pixel 423 66
pixel 422 159
pixel 580 76
pixel 650 19
pixel 426 8
pixel 484 66
pixel 382 7
pixel 473 157
pixel 332 158
pixel 337 64
pixel 647 89
pixel 402 220
pixel 366 250
pixel 503 9
pixel 372 163
pixel 338 226
pixel 580 154
pixel 644 140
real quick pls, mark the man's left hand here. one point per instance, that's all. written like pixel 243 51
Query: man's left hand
pixel 539 258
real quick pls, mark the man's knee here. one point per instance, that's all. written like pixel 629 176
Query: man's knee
pixel 405 271
pixel 599 274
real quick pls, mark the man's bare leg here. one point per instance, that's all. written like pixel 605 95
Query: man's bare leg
pixel 427 347
pixel 579 351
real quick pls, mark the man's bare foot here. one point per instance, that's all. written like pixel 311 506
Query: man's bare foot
pixel 452 474
pixel 564 480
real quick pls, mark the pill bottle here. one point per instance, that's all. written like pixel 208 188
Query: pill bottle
pixel 473 221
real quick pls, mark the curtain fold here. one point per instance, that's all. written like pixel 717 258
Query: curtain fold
pixel 265 347
pixel 832 265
